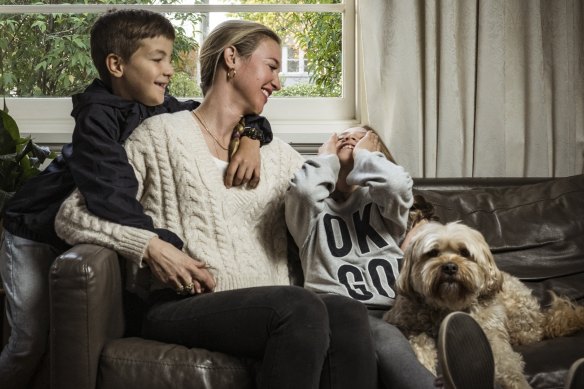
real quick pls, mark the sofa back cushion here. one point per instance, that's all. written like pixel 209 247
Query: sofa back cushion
pixel 535 228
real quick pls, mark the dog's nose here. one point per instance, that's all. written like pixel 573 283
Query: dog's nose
pixel 450 268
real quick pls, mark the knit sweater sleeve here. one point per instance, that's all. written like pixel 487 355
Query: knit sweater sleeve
pixel 310 186
pixel 75 224
pixel 390 185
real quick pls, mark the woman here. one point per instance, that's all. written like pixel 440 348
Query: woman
pixel 238 300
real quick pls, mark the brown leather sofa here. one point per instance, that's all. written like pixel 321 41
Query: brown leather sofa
pixel 534 226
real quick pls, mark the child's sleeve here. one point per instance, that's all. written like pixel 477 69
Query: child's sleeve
pixel 259 124
pixel 390 185
pixel 99 165
pixel 172 104
pixel 75 223
pixel 309 188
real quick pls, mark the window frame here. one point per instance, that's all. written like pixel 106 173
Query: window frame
pixel 305 122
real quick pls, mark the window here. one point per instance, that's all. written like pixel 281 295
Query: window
pixel 294 62
pixel 306 110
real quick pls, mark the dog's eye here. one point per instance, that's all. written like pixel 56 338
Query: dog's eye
pixel 464 252
pixel 433 253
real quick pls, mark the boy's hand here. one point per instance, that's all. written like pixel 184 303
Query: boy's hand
pixel 330 146
pixel 369 142
pixel 244 167
pixel 176 269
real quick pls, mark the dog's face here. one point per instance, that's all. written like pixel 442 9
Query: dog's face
pixel 449 266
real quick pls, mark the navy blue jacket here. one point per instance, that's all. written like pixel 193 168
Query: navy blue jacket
pixel 97 164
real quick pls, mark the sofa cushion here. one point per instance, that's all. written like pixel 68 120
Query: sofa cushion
pixel 535 231
pixel 547 362
pixel 146 364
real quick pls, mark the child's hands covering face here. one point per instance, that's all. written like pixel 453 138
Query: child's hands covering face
pixel 369 142
pixel 330 146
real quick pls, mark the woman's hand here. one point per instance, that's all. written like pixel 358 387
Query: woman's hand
pixel 244 167
pixel 330 146
pixel 369 142
pixel 176 269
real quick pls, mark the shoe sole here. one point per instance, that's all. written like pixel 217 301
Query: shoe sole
pixel 575 376
pixel 464 354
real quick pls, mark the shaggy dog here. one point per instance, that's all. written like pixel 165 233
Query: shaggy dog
pixel 450 268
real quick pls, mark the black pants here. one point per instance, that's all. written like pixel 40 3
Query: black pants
pixel 397 362
pixel 304 340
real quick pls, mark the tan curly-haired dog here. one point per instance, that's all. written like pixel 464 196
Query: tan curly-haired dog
pixel 450 268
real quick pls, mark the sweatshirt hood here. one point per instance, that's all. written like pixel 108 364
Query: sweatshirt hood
pixel 98 93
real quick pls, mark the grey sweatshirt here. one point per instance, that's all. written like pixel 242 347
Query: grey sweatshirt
pixel 350 248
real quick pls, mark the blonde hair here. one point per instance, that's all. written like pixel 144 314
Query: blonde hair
pixel 244 35
pixel 383 147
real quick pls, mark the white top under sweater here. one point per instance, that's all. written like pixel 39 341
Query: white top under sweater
pixel 240 233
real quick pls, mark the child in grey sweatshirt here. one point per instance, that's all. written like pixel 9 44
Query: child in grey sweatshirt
pixel 347 210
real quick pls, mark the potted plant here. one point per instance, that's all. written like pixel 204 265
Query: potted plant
pixel 20 158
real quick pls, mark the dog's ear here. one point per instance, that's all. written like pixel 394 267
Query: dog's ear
pixel 402 284
pixel 493 276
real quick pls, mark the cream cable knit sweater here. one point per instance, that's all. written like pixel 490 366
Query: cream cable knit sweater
pixel 240 232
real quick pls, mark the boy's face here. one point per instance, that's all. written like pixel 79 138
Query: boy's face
pixel 146 74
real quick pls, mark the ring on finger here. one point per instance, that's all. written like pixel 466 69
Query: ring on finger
pixel 188 288
pixel 180 290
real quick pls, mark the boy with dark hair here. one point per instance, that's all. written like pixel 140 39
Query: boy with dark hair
pixel 131 50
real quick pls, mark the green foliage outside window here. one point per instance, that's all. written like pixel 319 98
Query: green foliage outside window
pixel 300 89
pixel 182 84
pixel 318 34
pixel 48 54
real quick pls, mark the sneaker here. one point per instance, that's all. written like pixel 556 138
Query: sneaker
pixel 575 376
pixel 465 358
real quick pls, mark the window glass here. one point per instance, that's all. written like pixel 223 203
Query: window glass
pixel 47 55
pixel 45 58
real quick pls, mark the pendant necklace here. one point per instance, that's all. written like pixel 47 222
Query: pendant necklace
pixel 198 116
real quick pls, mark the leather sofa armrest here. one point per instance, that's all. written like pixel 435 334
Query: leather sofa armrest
pixel 86 310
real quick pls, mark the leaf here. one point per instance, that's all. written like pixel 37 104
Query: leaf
pixel 8 125
pixel 41 65
pixel 41 25
pixel 20 158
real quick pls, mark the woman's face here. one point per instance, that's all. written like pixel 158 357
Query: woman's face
pixel 258 76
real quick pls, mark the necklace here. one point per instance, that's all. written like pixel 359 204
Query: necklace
pixel 198 116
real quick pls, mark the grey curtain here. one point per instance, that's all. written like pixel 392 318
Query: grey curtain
pixel 483 88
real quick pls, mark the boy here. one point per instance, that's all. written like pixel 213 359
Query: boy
pixel 131 50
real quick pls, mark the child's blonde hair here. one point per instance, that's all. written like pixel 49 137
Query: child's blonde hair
pixel 383 147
